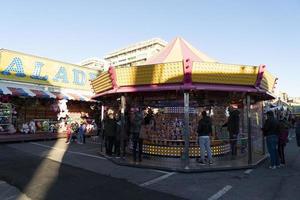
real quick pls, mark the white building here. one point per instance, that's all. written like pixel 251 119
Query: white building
pixel 95 63
pixel 135 54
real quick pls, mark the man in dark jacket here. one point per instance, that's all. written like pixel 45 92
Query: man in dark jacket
pixel 233 127
pixel 110 127
pixel 204 132
pixel 271 131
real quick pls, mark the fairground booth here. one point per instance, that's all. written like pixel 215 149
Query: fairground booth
pixel 42 91
pixel 177 84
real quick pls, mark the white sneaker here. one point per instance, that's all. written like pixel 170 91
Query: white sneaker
pixel 272 167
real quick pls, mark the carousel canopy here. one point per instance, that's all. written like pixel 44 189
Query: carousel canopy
pixel 176 51
pixel 179 66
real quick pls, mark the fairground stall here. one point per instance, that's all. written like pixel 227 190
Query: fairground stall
pixel 179 83
pixel 42 92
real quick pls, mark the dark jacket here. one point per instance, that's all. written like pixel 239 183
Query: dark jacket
pixel 204 127
pixel 110 127
pixel 233 123
pixel 271 127
pixel 136 124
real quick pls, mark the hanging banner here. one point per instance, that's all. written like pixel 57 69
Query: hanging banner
pixel 15 66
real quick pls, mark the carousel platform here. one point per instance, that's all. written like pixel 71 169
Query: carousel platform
pixel 223 163
pixel 18 137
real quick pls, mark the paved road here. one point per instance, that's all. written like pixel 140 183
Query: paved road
pixel 61 171
pixel 43 178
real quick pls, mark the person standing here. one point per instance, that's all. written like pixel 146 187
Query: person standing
pixel 204 131
pixel 135 129
pixel 81 133
pixel 110 127
pixel 118 135
pixel 233 127
pixel 68 132
pixel 283 139
pixel 83 130
pixel 271 132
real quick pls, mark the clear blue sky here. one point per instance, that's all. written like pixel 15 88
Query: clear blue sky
pixel 231 31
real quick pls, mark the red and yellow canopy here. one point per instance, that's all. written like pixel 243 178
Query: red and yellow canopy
pixel 176 51
pixel 182 67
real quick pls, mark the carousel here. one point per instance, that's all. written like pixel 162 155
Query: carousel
pixel 176 85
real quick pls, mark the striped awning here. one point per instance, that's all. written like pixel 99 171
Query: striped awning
pixel 71 95
pixel 4 90
pixel 20 92
pixel 27 91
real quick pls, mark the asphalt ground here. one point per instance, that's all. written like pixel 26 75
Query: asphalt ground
pixel 71 169
pixel 43 178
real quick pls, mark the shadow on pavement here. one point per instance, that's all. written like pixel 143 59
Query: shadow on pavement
pixel 42 178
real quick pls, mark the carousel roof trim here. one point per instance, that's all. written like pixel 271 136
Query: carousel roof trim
pixel 176 87
pixel 187 73
pixel 171 76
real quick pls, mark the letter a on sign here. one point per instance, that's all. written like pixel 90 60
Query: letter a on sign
pixel 61 76
pixel 15 66
pixel 79 77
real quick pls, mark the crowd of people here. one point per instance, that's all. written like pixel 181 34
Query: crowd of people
pixel 276 132
pixel 136 125
pixel 277 136
pixel 77 132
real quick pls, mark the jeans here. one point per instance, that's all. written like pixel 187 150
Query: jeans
pixel 272 142
pixel 137 142
pixel 79 138
pixel 204 143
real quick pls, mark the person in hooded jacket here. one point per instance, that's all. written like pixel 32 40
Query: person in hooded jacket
pixel 271 131
pixel 233 127
pixel 204 131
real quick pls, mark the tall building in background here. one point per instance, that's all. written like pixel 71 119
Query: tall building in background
pixel 95 63
pixel 135 54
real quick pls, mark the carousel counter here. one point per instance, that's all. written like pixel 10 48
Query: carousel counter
pixel 174 148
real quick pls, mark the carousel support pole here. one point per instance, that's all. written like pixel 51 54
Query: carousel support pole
pixel 123 106
pixel 186 131
pixel 248 99
pixel 102 128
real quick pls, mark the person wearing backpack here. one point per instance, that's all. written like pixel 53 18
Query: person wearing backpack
pixel 204 131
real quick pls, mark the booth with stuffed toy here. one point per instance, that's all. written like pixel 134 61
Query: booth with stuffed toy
pixel 42 93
